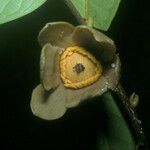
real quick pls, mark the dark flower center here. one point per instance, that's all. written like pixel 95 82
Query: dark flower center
pixel 79 68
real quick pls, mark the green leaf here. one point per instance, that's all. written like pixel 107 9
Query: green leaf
pixel 97 13
pixel 13 9
pixel 117 135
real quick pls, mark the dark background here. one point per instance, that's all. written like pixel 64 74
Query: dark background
pixel 19 72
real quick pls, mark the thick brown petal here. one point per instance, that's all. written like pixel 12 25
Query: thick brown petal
pixel 74 97
pixel 108 81
pixel 48 105
pixel 112 75
pixel 49 66
pixel 96 42
pixel 56 33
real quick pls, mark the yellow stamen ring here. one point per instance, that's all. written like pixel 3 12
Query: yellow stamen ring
pixel 72 79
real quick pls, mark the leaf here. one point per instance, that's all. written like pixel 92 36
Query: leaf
pixel 117 135
pixel 13 9
pixel 97 13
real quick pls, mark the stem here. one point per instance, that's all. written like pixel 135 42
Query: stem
pixel 132 114
pixel 75 12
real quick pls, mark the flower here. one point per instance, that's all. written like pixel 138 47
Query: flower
pixel 77 63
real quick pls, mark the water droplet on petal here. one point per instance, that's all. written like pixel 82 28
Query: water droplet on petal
pixel 113 65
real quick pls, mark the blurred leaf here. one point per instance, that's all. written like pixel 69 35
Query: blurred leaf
pixel 117 135
pixel 97 13
pixel 13 9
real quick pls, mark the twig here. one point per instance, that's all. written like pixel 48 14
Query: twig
pixel 132 114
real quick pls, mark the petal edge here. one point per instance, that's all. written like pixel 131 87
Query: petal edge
pixel 49 66
pixel 55 33
pixel 46 105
